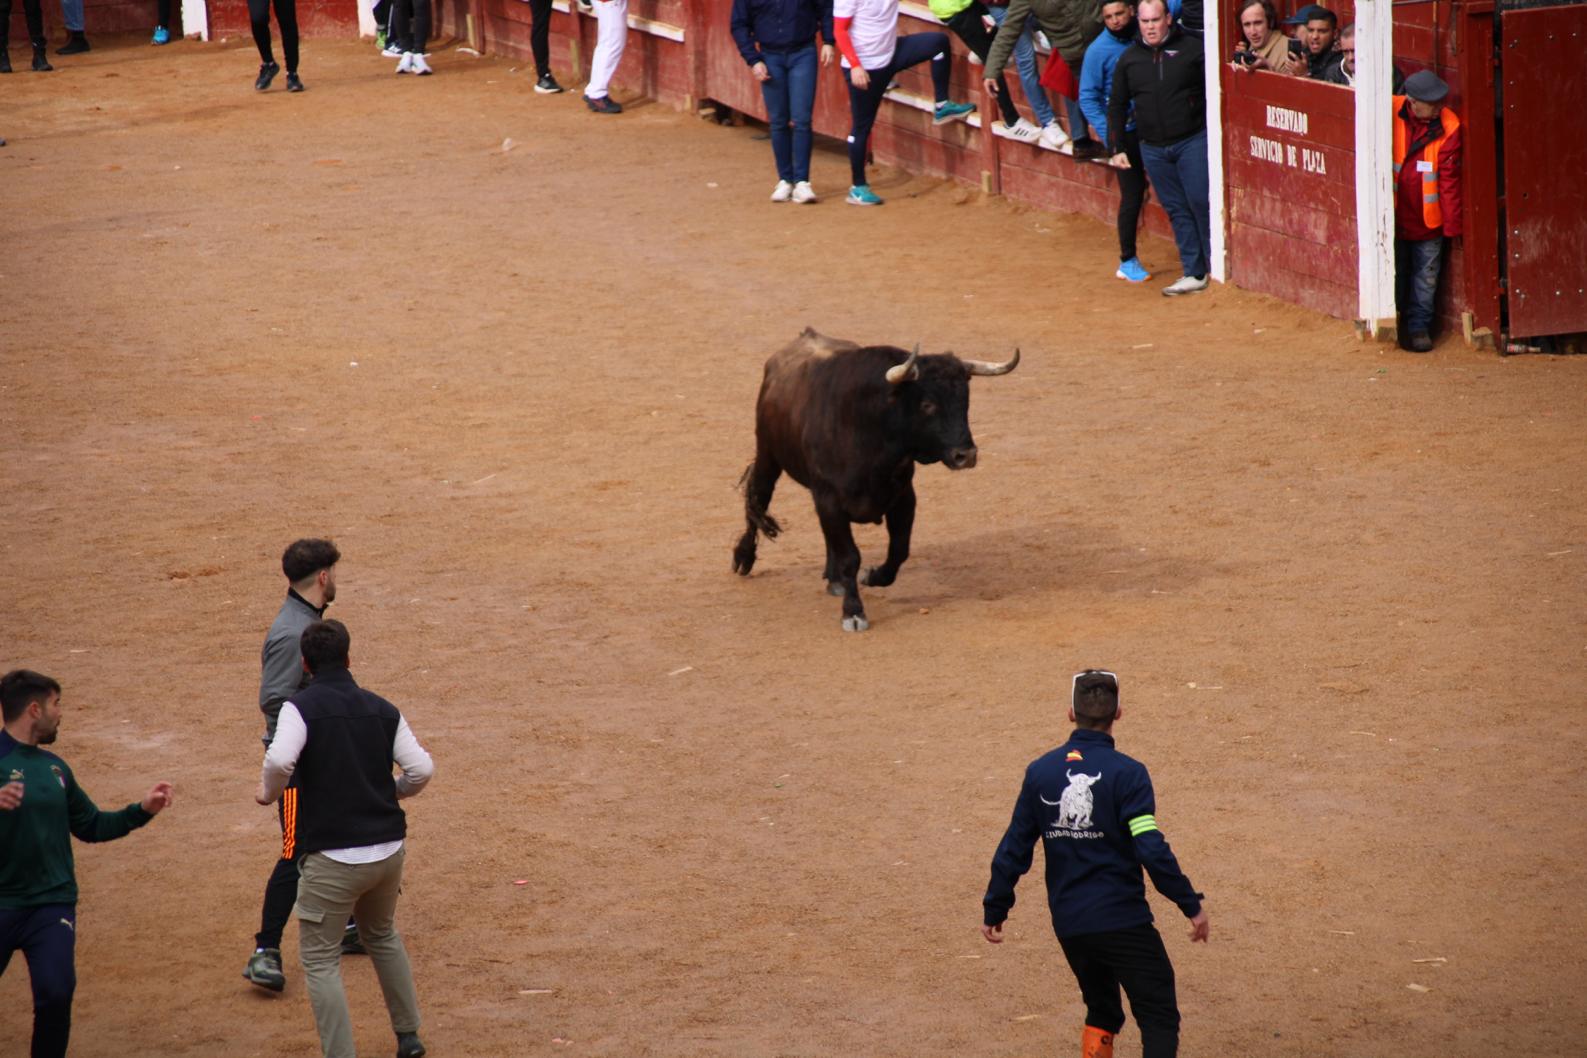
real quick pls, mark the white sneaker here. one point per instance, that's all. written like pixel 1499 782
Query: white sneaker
pixel 1024 130
pixel 803 192
pixel 406 64
pixel 419 66
pixel 1184 285
pixel 1053 137
pixel 782 192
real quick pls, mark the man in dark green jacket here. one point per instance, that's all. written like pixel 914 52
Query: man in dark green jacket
pixel 1069 26
pixel 41 808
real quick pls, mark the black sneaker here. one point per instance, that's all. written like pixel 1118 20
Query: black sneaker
pixel 409 1045
pixel 294 84
pixel 352 944
pixel 1421 342
pixel 604 105
pixel 76 44
pixel 40 63
pixel 547 85
pixel 1087 148
pixel 264 970
pixel 267 73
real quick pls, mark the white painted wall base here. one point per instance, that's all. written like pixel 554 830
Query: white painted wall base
pixel 195 19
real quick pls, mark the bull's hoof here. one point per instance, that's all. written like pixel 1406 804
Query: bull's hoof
pixel 877 577
pixel 834 588
pixel 743 560
pixel 857 623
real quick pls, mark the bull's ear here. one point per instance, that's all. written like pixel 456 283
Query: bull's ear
pixel 907 371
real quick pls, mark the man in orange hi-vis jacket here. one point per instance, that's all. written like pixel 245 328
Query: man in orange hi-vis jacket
pixel 1426 201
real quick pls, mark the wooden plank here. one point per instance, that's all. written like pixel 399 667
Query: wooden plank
pixel 1300 221
pixel 1333 265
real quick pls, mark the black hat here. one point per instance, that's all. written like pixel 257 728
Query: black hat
pixel 1426 87
pixel 1306 14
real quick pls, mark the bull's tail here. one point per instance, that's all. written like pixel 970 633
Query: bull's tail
pixel 757 483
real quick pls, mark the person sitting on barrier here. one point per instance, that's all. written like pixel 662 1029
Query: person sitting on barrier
pixel 1427 205
pixel 1313 47
pixel 1261 45
pixel 968 19
pixel 1052 135
pixel 1096 81
pixel 777 39
pixel 873 54
pixel 1344 71
pixel 1069 25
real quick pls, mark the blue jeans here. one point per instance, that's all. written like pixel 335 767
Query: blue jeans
pixel 72 15
pixel 1416 266
pixel 1178 173
pixel 790 97
pixel 1025 63
pixel 47 938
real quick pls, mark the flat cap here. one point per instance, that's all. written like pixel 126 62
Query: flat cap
pixel 1426 86
pixel 1306 14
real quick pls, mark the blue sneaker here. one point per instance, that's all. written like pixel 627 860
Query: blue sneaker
pixel 1132 270
pixel 161 35
pixel 862 195
pixel 951 111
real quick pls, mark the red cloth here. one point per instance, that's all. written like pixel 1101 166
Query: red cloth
pixel 1058 77
pixel 1408 221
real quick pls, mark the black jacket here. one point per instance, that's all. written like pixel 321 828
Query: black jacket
pixel 346 796
pixel 1167 84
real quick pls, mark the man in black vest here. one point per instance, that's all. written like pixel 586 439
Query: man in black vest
pixel 339 742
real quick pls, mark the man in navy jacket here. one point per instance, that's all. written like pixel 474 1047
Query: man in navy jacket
pixel 1094 811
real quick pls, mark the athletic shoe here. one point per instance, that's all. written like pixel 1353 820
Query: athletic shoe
pixel 1132 270
pixel 352 943
pixel 1053 137
pixel 1023 130
pixel 406 65
pixel 782 192
pixel 409 1045
pixel 803 192
pixel 862 195
pixel 1421 342
pixel 161 35
pixel 267 73
pixel 264 970
pixel 75 44
pixel 603 105
pixel 419 66
pixel 950 111
pixel 1088 148
pixel 1185 285
pixel 40 63
pixel 393 51
pixel 547 85
pixel 294 84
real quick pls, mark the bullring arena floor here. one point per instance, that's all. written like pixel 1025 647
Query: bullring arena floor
pixel 1343 585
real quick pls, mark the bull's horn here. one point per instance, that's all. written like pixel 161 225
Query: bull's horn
pixel 907 371
pixel 982 367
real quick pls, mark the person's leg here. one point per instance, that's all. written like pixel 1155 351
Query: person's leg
pixel 1140 962
pixel 611 18
pixel 968 26
pixel 914 49
pixel 1079 128
pixel 1426 261
pixel 1099 989
pixel 72 15
pixel 377 911
pixel 1029 75
pixel 863 105
pixel 287 20
pixel 803 71
pixel 775 91
pixel 540 35
pixel 259 22
pixel 1164 174
pixel 1190 161
pixel 421 26
pixel 1132 193
pixel 48 942
pixel 327 892
pixel 162 14
pixel 281 892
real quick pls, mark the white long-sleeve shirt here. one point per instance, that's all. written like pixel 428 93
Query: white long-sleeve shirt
pixel 282 758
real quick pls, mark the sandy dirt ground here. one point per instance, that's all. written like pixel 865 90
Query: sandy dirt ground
pixel 1343 584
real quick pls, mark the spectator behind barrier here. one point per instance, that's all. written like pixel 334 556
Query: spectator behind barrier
pixel 1096 81
pixel 1069 25
pixel 1314 41
pixel 1344 71
pixel 1053 135
pixel 969 21
pixel 1427 206
pixel 1261 46
pixel 777 38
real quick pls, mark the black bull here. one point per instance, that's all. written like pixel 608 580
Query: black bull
pixel 849 423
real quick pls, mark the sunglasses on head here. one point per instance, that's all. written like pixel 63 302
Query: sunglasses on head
pixel 1074 684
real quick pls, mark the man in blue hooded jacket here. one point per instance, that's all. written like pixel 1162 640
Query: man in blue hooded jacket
pixel 1094 810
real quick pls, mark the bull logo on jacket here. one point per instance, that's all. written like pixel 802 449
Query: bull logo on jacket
pixel 1074 804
